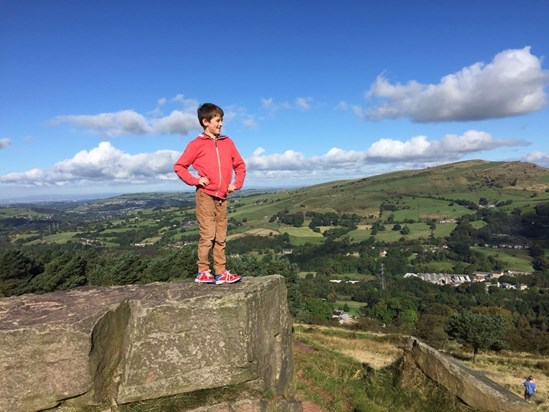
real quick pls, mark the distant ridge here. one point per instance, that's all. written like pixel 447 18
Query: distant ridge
pixel 469 176
pixel 469 180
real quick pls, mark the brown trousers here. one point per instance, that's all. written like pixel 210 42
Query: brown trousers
pixel 211 213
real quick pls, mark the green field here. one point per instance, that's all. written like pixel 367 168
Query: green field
pixel 354 307
pixel 117 230
pixel 344 276
pixel 299 241
pixel 301 235
pixel 23 236
pixel 517 259
pixel 445 266
pixel 417 231
pixel 300 232
pixel 427 208
pixel 151 240
pixel 11 212
pixel 58 238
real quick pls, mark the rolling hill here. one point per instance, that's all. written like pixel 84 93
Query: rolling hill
pixel 423 193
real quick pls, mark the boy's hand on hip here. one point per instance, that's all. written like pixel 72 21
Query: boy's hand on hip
pixel 231 188
pixel 203 181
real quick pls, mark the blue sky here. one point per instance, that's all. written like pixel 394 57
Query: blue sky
pixel 101 96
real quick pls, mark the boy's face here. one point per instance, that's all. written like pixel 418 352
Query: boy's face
pixel 213 126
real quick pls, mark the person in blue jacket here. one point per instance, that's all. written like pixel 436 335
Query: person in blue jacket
pixel 529 387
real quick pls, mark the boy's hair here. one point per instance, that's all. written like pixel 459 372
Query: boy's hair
pixel 208 111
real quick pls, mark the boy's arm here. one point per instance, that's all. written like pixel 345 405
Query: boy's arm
pixel 239 168
pixel 181 167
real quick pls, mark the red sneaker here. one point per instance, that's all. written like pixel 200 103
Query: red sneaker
pixel 205 277
pixel 227 277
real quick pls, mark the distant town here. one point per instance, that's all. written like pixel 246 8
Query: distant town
pixel 489 278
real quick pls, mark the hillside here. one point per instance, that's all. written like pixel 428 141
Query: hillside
pixel 340 369
pixel 444 192
pixel 438 193
pixel 496 181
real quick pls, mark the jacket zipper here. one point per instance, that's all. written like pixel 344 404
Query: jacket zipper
pixel 218 167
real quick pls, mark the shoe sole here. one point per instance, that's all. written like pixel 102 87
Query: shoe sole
pixel 204 281
pixel 226 281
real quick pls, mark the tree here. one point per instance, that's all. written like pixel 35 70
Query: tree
pixel 460 240
pixel 383 312
pixel 478 330
pixel 176 264
pixel 16 271
pixel 270 264
pixel 66 270
pixel 315 311
pixel 282 266
pixel 116 269
pixel 407 319
pixel 431 328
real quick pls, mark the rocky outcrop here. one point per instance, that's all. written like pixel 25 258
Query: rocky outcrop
pixel 471 386
pixel 117 345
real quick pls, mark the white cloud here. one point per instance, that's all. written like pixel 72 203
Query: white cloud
pixel 249 123
pixel 125 122
pixel 512 84
pixel 289 160
pixel 155 122
pixel 189 105
pixel 303 103
pixel 385 149
pixel 292 167
pixel 105 163
pixel 175 123
pixel 300 103
pixel 538 157
pixel 236 113
pixel 129 122
pixel 418 150
pixel 270 105
pixel 157 111
pixel 449 148
pixel 342 105
pixel 5 143
pixel 356 109
pixel 108 165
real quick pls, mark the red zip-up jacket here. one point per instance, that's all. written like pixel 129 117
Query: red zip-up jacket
pixel 215 159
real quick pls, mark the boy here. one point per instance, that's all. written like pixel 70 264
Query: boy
pixel 214 157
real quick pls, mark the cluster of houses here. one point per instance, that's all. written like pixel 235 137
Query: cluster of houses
pixel 441 279
pixel 345 281
pixel 484 277
pixel 343 318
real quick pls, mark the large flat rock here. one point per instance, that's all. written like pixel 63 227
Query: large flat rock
pixel 471 386
pixel 97 346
